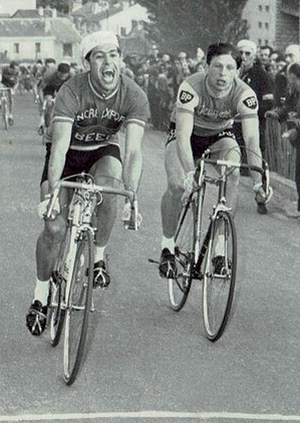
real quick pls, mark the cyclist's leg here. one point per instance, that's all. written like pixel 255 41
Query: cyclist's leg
pixel 170 208
pixel 227 148
pixel 107 171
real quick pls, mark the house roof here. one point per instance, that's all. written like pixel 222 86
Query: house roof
pixel 60 28
pixel 25 14
pixel 87 11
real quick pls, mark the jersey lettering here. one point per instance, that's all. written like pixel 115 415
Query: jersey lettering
pixel 91 137
pixel 185 97
pixel 250 102
pixel 113 115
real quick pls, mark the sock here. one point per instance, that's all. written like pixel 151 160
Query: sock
pixel 99 253
pixel 41 291
pixel 168 243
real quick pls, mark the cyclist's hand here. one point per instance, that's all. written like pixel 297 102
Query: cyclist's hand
pixel 261 196
pixel 189 182
pixel 130 219
pixel 43 208
pixel 189 185
pixel 271 114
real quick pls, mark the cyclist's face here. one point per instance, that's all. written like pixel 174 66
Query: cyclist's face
pixel 105 64
pixel 221 72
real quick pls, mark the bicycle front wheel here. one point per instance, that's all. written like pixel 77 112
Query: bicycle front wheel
pixel 79 306
pixel 179 286
pixel 219 275
pixel 57 304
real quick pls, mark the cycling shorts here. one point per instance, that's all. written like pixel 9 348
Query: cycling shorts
pixel 81 161
pixel 200 144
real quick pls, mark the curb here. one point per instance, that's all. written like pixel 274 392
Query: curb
pixel 286 187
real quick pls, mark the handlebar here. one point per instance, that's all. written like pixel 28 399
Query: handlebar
pixel 131 195
pixel 264 170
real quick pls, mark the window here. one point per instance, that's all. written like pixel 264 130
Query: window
pixel 266 42
pixel 16 48
pixel 267 25
pixel 37 47
pixel 259 24
pixel 267 8
pixel 259 41
pixel 68 50
pixel 260 7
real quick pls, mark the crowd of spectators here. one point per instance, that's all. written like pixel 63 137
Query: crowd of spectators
pixel 160 75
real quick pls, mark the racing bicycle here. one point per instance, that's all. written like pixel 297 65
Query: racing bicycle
pixel 4 106
pixel 209 256
pixel 71 285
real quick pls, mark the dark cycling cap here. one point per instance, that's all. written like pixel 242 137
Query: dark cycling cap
pixel 63 68
pixel 219 49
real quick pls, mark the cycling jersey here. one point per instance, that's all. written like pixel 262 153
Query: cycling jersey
pixel 97 119
pixel 214 114
pixel 53 84
pixel 10 76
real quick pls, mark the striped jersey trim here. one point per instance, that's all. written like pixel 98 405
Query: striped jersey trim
pixel 62 119
pixel 103 97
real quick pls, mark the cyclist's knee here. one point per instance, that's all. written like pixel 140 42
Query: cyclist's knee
pixel 54 230
pixel 175 188
pixel 234 176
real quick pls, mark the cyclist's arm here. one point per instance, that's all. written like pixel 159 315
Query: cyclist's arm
pixel 61 137
pixel 133 159
pixel 184 129
pixel 250 128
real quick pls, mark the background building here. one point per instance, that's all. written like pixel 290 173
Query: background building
pixel 260 15
pixel 9 7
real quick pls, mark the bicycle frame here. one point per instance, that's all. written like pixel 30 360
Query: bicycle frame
pixel 198 195
pixel 80 215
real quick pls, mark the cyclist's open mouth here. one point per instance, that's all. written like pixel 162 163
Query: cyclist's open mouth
pixel 108 75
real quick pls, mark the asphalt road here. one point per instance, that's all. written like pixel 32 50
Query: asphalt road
pixel 146 363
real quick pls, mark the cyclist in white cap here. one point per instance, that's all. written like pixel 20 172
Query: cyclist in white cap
pixel 89 110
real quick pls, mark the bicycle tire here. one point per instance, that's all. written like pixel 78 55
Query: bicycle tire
pixel 4 112
pixel 56 312
pixel 79 306
pixel 219 275
pixel 179 286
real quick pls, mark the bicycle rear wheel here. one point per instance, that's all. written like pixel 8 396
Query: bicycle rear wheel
pixel 79 306
pixel 56 314
pixel 179 286
pixel 219 275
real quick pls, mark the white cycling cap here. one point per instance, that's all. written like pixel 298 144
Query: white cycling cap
pixel 99 38
pixel 247 44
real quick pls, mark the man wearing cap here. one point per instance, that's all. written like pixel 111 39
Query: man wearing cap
pixel 89 110
pixel 260 81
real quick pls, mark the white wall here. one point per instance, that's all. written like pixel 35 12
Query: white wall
pixel 254 15
pixel 11 6
pixel 123 19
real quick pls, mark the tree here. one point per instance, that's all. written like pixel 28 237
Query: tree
pixel 177 25
pixel 63 6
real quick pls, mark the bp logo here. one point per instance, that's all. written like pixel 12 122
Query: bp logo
pixel 185 97
pixel 250 102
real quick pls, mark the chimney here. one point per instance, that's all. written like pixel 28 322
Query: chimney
pixel 47 24
pixel 54 13
pixel 41 11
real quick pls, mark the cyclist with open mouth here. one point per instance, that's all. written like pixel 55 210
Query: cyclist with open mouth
pixel 89 110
